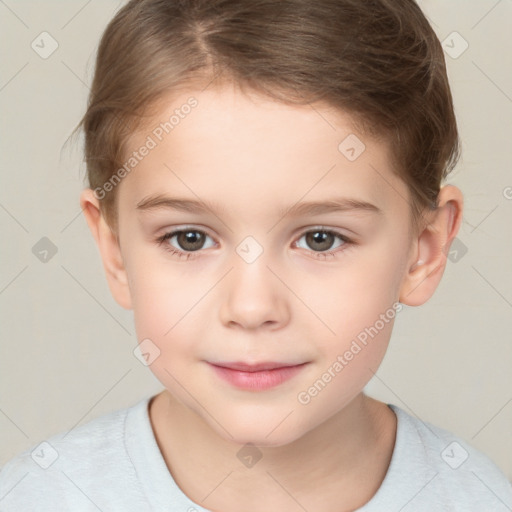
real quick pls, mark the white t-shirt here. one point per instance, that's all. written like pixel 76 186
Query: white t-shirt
pixel 113 463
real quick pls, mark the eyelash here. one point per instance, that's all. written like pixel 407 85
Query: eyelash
pixel 322 255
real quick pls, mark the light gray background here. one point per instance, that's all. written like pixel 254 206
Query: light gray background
pixel 66 346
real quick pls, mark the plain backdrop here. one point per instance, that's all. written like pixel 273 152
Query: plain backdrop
pixel 67 347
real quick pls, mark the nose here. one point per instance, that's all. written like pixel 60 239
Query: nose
pixel 253 297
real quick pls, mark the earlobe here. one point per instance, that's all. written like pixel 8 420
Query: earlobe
pixel 109 248
pixel 428 260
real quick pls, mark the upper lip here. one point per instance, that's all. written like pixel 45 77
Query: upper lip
pixel 255 367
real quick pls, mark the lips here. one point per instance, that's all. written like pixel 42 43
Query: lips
pixel 255 367
pixel 256 376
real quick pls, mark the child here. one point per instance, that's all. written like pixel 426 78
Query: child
pixel 224 140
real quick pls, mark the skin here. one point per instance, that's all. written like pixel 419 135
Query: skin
pixel 254 156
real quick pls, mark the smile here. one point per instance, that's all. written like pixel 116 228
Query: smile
pixel 256 377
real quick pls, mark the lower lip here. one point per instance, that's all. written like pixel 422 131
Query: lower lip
pixel 257 381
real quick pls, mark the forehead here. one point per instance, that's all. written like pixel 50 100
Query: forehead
pixel 247 150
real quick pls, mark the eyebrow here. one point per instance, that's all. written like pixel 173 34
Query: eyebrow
pixel 332 205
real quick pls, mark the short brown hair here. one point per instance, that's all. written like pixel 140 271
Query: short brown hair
pixel 378 60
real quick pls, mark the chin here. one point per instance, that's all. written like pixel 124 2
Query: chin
pixel 271 431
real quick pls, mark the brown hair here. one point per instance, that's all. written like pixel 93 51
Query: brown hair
pixel 378 60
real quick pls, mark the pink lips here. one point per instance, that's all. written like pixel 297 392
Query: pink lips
pixel 256 377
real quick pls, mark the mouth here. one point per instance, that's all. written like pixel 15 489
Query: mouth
pixel 256 376
pixel 255 367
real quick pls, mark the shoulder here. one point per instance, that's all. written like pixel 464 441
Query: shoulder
pixel 70 467
pixel 447 470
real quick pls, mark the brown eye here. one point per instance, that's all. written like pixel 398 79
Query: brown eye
pixel 190 240
pixel 185 240
pixel 321 240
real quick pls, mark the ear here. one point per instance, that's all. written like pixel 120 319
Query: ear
pixel 428 257
pixel 109 248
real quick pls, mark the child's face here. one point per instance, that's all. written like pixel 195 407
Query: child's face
pixel 254 159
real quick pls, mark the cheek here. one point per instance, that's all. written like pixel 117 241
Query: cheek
pixel 167 312
pixel 347 361
pixel 361 295
pixel 164 297
pixel 360 305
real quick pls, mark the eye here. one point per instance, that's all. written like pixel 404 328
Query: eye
pixel 184 242
pixel 188 240
pixel 322 241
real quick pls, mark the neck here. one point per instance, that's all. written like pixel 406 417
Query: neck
pixel 346 456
